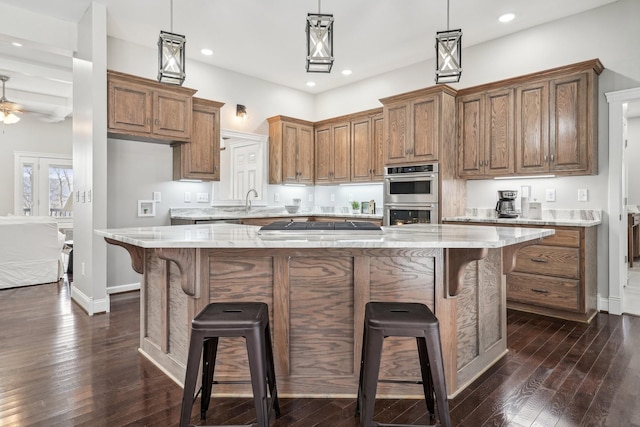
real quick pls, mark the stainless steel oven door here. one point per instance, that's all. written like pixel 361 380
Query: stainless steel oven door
pixel 411 188
pixel 410 214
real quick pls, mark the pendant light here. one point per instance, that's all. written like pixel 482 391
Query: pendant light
pixel 171 56
pixel 448 54
pixel 319 42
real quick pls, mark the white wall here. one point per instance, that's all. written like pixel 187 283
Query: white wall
pixel 33 135
pixel 137 169
pixel 633 156
pixel 609 33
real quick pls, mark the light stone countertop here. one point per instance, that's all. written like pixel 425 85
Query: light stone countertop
pixel 551 217
pixel 226 235
pixel 233 212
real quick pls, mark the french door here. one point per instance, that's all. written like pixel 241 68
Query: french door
pixel 44 185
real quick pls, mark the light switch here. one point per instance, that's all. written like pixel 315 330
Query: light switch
pixel 187 197
pixel 157 196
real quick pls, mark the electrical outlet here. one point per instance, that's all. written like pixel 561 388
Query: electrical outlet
pixel 276 197
pixel 202 197
pixel 310 197
pixel 187 197
pixel 583 195
pixel 350 197
pixel 550 195
pixel 333 197
pixel 157 197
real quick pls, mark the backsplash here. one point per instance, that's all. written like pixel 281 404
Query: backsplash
pixel 547 214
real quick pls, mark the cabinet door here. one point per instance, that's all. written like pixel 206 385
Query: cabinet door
pixel 129 107
pixel 361 150
pixel 498 138
pixel 289 152
pixel 341 152
pixel 172 114
pixel 568 136
pixel 396 122
pixel 532 128
pixel 471 161
pixel 305 154
pixel 323 155
pixel 377 148
pixel 200 158
pixel 425 119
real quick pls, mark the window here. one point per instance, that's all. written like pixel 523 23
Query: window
pixel 44 185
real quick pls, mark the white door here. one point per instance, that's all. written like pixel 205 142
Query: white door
pixel 630 158
pixel 44 186
pixel 246 169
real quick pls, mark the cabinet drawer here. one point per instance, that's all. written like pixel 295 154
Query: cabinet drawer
pixel 543 291
pixel 569 238
pixel 549 260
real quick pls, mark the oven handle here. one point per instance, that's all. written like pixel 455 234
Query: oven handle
pixel 412 178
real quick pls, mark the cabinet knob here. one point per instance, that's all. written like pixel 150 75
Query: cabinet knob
pixel 157 122
pixel 148 121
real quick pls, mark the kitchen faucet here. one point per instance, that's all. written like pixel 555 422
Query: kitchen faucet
pixel 247 202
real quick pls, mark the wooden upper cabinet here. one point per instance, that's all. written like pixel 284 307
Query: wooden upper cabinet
pixel 144 109
pixel 532 128
pixel 291 151
pixel 570 141
pixel 367 148
pixel 200 158
pixel 413 124
pixel 333 153
pixel 485 134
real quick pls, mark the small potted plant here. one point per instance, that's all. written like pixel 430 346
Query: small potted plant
pixel 355 207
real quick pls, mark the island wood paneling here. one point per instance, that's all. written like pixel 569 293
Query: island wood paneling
pixel 316 300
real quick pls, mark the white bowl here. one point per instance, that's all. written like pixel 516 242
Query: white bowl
pixel 292 208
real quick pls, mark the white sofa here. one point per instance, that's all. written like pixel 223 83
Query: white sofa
pixel 30 251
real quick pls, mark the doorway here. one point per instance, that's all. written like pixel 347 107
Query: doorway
pixel 624 296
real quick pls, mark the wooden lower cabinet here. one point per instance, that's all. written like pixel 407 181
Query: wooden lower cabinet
pixel 557 277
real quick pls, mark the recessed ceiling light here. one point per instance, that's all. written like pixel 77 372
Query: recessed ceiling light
pixel 311 84
pixel 507 17
pixel 346 72
pixel 16 44
pixel 207 52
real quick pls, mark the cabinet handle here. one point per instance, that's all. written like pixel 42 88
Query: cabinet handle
pixel 157 122
pixel 539 291
pixel 539 260
pixel 546 158
pixel 552 157
pixel 148 121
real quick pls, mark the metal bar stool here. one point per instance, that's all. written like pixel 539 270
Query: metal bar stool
pixel 384 319
pixel 243 319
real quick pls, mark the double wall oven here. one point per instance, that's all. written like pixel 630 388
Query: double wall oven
pixel 411 194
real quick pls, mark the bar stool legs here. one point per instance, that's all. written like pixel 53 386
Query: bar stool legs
pixel 250 320
pixel 408 320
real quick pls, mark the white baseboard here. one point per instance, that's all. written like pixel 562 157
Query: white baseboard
pixel 89 304
pixel 603 303
pixel 123 288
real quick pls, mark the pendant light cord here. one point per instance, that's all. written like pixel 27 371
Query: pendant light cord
pixel 447 14
pixel 171 10
pixel 319 1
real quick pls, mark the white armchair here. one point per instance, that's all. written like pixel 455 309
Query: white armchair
pixel 31 251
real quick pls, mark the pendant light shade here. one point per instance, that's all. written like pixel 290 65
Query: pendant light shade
pixel 171 56
pixel 448 56
pixel 319 42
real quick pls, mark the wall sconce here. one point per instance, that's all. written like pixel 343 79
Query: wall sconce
pixel 171 56
pixel 241 111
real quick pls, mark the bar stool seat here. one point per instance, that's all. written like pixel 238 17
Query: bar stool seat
pixel 243 319
pixel 401 319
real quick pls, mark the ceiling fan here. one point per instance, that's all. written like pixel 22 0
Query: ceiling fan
pixel 8 108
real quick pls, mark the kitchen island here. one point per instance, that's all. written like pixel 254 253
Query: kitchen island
pixel 316 286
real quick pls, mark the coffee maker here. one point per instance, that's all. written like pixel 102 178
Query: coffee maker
pixel 506 206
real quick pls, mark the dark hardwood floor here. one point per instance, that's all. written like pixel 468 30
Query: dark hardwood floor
pixel 60 367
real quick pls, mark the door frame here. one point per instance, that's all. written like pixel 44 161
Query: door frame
pixel 618 101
